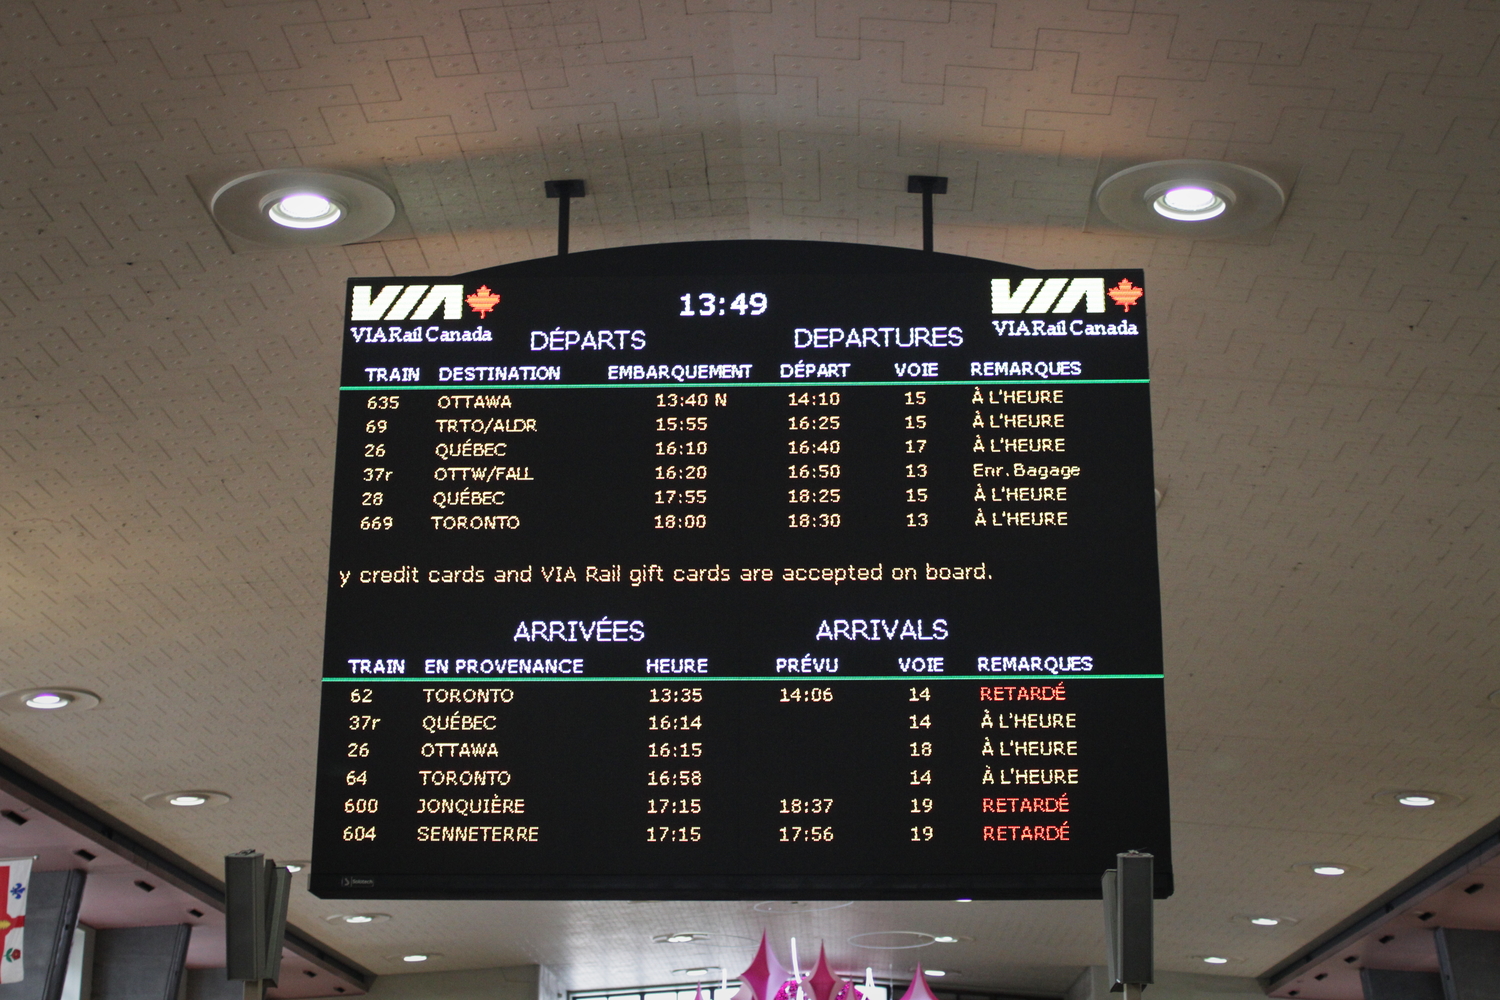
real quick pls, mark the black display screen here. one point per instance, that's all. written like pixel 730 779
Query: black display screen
pixel 738 569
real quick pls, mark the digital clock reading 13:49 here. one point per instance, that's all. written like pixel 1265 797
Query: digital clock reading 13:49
pixel 709 304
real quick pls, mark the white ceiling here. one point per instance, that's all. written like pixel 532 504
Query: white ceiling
pixel 1326 397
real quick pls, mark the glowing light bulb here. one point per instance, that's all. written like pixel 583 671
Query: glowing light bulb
pixel 1189 203
pixel 305 210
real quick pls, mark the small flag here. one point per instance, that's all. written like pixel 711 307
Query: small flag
pixel 15 875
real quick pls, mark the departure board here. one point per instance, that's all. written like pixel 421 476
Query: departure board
pixel 742 569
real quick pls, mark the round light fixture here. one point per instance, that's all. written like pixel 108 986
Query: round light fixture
pixel 47 699
pixel 295 866
pixel 680 937
pixel 892 940
pixel 799 906
pixel 1417 798
pixel 963 901
pixel 1328 869
pixel 186 798
pixel 700 970
pixel 1190 203
pixel 358 918
pixel 938 973
pixel 302 206
pixel 1199 199
pixel 1215 959
pixel 413 958
pixel 945 939
pixel 303 210
pixel 1265 921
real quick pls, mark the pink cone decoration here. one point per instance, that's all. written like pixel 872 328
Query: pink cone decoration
pixel 823 982
pixel 766 975
pixel 919 990
pixel 848 992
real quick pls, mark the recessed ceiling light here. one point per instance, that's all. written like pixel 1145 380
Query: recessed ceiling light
pixel 680 937
pixel 48 699
pixel 303 210
pixel 800 906
pixel 413 958
pixel 358 918
pixel 294 866
pixel 186 798
pixel 1189 203
pixel 1328 869
pixel 963 901
pixel 1215 959
pixel 1265 921
pixel 939 973
pixel 702 970
pixel 892 940
pixel 1417 798
pixel 945 939
pixel 302 206
pixel 1194 198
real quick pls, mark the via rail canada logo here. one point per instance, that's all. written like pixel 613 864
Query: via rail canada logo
pixel 1039 296
pixel 1060 299
pixel 418 302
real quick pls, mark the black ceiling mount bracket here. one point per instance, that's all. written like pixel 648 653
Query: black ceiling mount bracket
pixel 926 187
pixel 564 191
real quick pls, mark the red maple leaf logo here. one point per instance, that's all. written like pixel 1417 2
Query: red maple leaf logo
pixel 1125 294
pixel 484 300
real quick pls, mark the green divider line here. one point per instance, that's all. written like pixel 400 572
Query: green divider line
pixel 574 679
pixel 397 387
